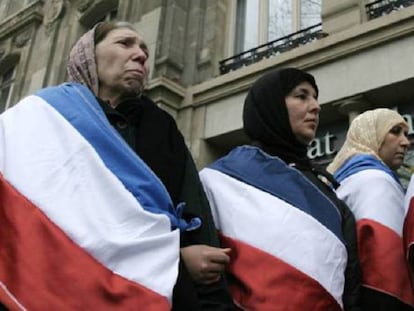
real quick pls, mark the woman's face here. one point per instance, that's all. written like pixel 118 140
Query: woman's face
pixel 394 147
pixel 303 109
pixel 121 60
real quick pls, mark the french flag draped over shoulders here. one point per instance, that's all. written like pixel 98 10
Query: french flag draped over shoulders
pixel 84 223
pixel 286 238
pixel 376 198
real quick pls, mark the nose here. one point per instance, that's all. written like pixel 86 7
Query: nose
pixel 405 142
pixel 314 105
pixel 139 55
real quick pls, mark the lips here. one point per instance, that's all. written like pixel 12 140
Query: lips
pixel 136 71
pixel 312 122
pixel 400 154
pixel 134 74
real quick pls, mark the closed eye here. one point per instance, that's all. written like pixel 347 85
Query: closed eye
pixel 125 42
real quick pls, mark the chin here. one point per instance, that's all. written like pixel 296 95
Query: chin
pixel 396 166
pixel 305 140
pixel 133 90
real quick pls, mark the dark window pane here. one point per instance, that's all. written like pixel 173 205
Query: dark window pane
pixel 247 25
pixel 7 76
pixel 4 94
pixel 113 14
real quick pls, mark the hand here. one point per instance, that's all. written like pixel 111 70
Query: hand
pixel 205 263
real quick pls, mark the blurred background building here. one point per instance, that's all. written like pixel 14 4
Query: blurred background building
pixel 205 54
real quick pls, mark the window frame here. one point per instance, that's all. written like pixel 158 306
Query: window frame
pixel 238 37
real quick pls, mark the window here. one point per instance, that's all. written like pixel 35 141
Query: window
pixel 99 11
pixel 110 16
pixel 310 13
pixel 6 87
pixel 258 22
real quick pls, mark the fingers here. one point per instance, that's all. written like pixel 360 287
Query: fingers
pixel 205 263
pixel 213 267
pixel 218 255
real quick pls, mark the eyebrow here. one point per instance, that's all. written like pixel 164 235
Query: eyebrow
pixel 141 42
pixel 306 91
pixel 302 89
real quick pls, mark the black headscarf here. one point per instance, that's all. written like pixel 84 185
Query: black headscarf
pixel 266 119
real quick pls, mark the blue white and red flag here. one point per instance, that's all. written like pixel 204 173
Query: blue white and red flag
pixel 286 238
pixel 84 223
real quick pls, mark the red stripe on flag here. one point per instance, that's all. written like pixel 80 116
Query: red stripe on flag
pixel 8 300
pixel 382 260
pixel 263 282
pixel 45 270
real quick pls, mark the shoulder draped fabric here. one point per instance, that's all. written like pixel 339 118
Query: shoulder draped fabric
pixel 248 201
pixel 376 197
pixel 362 162
pixel 87 223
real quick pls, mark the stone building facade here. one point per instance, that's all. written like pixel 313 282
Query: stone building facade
pixel 360 51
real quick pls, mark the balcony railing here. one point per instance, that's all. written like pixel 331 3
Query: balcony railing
pixel 272 48
pixel 383 7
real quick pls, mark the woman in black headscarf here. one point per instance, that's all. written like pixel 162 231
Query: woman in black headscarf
pixel 293 242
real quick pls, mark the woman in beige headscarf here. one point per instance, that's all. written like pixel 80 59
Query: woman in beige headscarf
pixel 365 166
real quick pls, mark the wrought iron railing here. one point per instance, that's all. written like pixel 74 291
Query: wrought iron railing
pixel 272 48
pixel 384 7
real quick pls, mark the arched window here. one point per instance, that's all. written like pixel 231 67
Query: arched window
pixel 7 79
pixel 258 22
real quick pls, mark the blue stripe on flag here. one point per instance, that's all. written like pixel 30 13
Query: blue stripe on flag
pixel 80 108
pixel 360 163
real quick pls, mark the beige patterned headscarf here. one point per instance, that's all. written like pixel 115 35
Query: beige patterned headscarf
pixel 366 135
pixel 82 64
